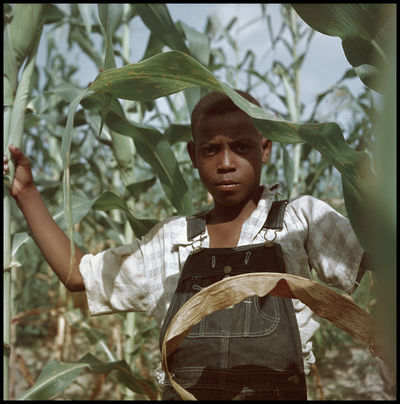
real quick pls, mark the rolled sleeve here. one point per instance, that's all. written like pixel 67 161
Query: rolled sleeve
pixel 332 247
pixel 120 280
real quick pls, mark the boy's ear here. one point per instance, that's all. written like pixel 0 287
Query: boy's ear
pixel 266 146
pixel 192 153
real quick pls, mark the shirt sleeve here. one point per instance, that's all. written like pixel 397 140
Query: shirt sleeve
pixel 332 247
pixel 120 279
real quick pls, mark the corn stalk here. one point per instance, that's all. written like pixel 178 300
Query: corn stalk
pixel 295 105
pixel 291 85
pixel 22 35
pixel 128 178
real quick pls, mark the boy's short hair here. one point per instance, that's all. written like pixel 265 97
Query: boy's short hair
pixel 216 103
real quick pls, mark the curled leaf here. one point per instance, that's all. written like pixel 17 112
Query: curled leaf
pixel 323 301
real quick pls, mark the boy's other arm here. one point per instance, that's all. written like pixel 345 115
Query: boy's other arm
pixel 51 240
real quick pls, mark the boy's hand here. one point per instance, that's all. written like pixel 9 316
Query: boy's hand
pixel 23 179
pixel 51 240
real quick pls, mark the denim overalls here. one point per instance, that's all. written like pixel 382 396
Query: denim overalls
pixel 249 351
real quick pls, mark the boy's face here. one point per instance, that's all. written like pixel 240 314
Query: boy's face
pixel 229 153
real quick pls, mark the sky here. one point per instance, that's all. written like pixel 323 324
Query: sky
pixel 323 66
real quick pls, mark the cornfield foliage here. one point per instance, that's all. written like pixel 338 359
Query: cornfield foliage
pixel 110 163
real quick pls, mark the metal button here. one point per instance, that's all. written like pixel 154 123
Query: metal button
pixel 227 269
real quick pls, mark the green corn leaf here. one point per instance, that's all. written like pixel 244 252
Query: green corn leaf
pixel 22 97
pixel 21 40
pixel 10 69
pixel 360 214
pixel 288 168
pixel 178 133
pixel 160 75
pixel 105 22
pixel 24 29
pixel 78 34
pixel 18 240
pixel 135 382
pixel 363 28
pixel 80 207
pixel 67 136
pixel 84 11
pixel 313 177
pixel 98 366
pixel 162 79
pixel 109 60
pixel 95 337
pixel 154 148
pixel 125 374
pixel 157 18
pixel 123 147
pixel 56 376
pixel 15 115
pixel 170 72
pixel 65 154
pixel 139 225
pixel 53 379
pixel 106 100
pixel 154 46
pixel 137 189
pixel 52 14
pixel 108 200
pixel 115 16
pixel 343 20
pixel 199 43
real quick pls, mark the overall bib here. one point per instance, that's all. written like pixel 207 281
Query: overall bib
pixel 249 351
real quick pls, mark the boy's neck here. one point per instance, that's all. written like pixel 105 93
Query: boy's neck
pixel 239 213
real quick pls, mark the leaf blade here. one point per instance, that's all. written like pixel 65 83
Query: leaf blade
pixel 160 75
pixel 53 379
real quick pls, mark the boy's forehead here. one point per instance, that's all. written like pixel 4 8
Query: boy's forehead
pixel 216 103
pixel 232 123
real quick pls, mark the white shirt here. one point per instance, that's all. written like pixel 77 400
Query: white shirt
pixel 143 276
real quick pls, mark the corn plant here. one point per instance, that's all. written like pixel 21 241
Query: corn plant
pixel 367 34
pixel 22 34
pixel 17 49
pixel 137 157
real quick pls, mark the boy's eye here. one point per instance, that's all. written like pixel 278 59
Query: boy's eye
pixel 243 147
pixel 209 150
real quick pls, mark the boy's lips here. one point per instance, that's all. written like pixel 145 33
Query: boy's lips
pixel 227 185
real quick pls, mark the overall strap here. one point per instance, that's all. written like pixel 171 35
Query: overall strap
pixel 196 224
pixel 275 215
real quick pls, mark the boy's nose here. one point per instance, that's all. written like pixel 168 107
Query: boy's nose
pixel 226 162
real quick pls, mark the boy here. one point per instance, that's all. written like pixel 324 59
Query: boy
pixel 259 348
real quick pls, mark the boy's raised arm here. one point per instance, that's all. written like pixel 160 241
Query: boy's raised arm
pixel 51 240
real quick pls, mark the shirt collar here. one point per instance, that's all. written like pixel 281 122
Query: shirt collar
pixel 254 223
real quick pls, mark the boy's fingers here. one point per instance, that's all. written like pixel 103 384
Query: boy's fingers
pixel 17 155
pixel 13 149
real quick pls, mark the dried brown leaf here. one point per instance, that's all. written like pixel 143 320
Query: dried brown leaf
pixel 323 301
